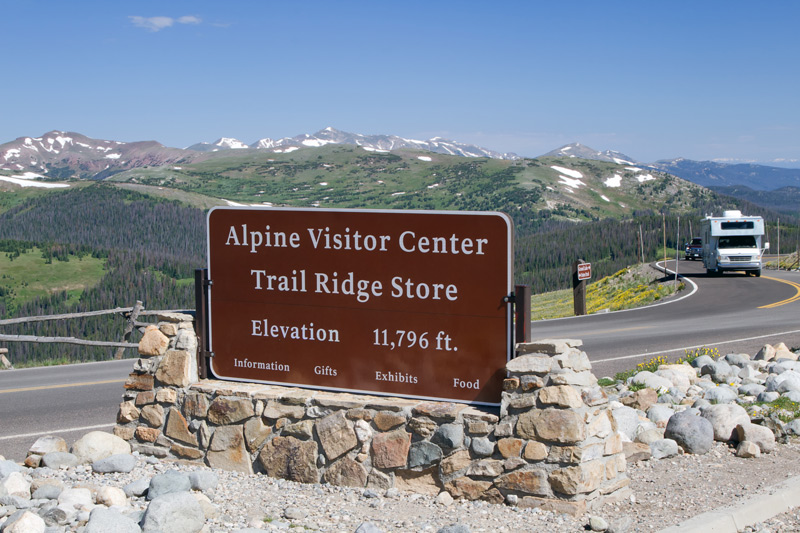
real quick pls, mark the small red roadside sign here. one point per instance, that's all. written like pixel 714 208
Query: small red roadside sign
pixel 584 271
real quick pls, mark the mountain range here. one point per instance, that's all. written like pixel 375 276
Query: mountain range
pixel 59 155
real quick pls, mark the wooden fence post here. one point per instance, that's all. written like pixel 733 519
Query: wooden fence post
pixel 132 316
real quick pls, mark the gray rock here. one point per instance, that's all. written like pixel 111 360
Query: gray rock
pixel 449 436
pixel 97 445
pixel 423 453
pixel 693 433
pixel 792 396
pixel 720 371
pixel 660 413
pixel 176 512
pixel 649 436
pixel 794 426
pixel 663 448
pixel 768 397
pixel 368 527
pixel 724 419
pixel 57 516
pixel 652 381
pixel 103 520
pixel 7 467
pixel 24 522
pixel 702 361
pixel 759 435
pixel 738 359
pixel 748 450
pixel 294 513
pixel 169 482
pixel 751 389
pixel 136 488
pixel 748 372
pixel 47 492
pixel 700 402
pixel 122 463
pixel 482 446
pixel 627 421
pixel 203 480
pixel 790 383
pixel 57 460
pixel 598 523
pixel 16 501
pixel 721 394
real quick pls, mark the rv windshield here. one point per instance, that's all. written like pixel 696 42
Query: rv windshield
pixel 737 241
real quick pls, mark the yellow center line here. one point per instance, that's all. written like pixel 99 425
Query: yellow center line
pixel 786 301
pixel 617 330
pixel 45 387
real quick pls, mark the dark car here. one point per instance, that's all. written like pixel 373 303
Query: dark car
pixel 694 249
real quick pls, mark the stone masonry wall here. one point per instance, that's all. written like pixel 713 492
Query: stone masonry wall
pixel 553 444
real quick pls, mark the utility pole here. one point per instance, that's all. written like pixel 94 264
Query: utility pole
pixel 664 231
pixel 677 247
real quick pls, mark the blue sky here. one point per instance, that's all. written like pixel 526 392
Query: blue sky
pixel 654 80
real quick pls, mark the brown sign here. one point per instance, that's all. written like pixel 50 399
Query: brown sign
pixel 584 271
pixel 401 303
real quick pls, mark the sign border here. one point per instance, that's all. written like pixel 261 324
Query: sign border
pixel 509 288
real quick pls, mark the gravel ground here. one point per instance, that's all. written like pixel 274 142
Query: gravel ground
pixel 666 492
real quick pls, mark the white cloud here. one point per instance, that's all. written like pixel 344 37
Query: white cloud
pixel 154 24
pixel 189 19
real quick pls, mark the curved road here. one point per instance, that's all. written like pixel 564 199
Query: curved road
pixel 734 313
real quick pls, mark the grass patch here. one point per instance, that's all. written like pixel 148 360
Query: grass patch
pixel 46 362
pixel 626 289
pixel 785 409
pixel 29 275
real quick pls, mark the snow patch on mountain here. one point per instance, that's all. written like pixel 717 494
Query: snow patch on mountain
pixel 614 181
pixel 568 171
pixel 27 179
pixel 571 183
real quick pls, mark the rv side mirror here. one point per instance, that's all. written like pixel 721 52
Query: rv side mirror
pixel 766 246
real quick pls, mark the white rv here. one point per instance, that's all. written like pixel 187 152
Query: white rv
pixel 733 242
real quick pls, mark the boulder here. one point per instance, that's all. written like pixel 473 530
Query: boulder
pixel 721 394
pixel 693 433
pixel 724 418
pixel 177 512
pixel 748 450
pixel 663 448
pixel 57 460
pixel 98 445
pixel 24 522
pixel 759 435
pixel 103 520
pixel 122 463
pixel 167 483
pixel 767 353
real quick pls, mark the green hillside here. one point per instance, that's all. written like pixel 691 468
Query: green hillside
pixel 348 176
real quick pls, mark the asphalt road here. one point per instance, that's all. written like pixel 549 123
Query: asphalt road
pixel 734 313
pixel 68 401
